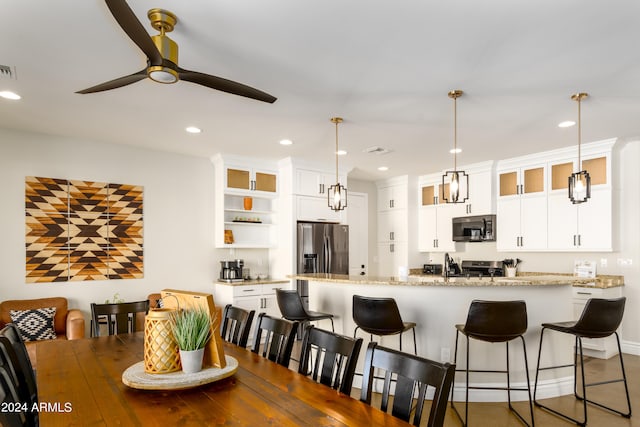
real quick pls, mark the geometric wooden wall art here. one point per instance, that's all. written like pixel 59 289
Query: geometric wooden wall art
pixel 81 230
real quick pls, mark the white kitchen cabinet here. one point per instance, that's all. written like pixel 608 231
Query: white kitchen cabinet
pixel 254 296
pixel 392 226
pixel 481 189
pixel 395 220
pixel 311 188
pixel 581 227
pixel 392 196
pixel 310 208
pixel 584 226
pixel 245 178
pixel 522 207
pixel 602 348
pixel 391 256
pixel 235 226
pixel 434 217
pixel 315 183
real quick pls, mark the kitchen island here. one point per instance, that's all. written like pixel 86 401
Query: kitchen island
pixel 436 304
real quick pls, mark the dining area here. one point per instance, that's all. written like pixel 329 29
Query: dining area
pixel 81 384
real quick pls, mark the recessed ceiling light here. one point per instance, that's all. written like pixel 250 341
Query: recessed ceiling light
pixel 341 152
pixel 286 142
pixel 9 95
pixel 383 168
pixel 193 129
pixel 455 150
pixel 566 124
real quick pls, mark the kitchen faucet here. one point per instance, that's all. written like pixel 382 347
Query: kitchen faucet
pixel 447 265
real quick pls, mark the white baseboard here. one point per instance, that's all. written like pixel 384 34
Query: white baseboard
pixel 630 347
pixel 546 389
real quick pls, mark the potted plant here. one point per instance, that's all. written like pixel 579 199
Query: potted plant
pixel 192 330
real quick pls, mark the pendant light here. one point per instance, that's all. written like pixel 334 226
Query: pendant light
pixel 337 194
pixel 457 180
pixel 579 182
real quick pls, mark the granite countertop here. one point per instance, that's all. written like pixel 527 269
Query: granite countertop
pixel 253 282
pixel 525 279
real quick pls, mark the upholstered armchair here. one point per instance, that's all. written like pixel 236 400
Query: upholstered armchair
pixel 67 324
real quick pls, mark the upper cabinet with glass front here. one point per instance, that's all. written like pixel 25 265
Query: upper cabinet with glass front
pixel 587 226
pixel 242 176
pixel 533 206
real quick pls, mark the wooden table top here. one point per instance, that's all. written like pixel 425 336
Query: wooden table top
pixel 80 383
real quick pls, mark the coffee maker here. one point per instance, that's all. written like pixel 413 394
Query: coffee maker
pixel 231 271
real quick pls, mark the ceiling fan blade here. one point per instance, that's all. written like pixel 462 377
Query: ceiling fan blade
pixel 134 29
pixel 116 83
pixel 218 83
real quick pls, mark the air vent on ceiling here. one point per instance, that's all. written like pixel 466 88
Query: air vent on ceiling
pixel 376 150
pixel 6 72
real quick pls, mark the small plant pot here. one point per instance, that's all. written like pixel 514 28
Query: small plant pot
pixel 510 271
pixel 191 360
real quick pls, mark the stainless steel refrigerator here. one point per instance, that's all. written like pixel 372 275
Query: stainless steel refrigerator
pixel 322 248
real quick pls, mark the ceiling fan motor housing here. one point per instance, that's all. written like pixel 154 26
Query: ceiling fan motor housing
pixel 164 21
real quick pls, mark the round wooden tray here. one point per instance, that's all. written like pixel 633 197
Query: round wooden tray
pixel 135 377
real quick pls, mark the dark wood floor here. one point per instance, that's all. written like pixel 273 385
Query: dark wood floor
pixel 498 414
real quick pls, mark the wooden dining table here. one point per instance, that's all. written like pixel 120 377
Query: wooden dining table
pixel 80 384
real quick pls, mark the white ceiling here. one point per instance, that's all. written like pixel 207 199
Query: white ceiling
pixel 385 66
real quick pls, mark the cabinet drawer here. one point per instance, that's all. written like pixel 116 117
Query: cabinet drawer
pixel 584 293
pixel 271 289
pixel 247 291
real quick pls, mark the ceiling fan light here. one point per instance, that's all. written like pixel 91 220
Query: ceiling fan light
pixel 162 74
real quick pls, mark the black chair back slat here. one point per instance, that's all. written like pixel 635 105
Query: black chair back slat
pixel 330 357
pixel 278 335
pixel 236 324
pixel 120 317
pixel 411 372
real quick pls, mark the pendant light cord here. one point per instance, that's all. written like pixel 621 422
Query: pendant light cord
pixel 337 151
pixel 455 134
pixel 579 134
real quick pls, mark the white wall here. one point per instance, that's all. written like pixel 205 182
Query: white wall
pixel 178 216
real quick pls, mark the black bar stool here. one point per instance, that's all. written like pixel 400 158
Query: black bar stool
pixel 380 316
pixel 600 319
pixel 494 321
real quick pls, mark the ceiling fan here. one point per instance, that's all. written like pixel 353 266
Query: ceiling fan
pixel 162 56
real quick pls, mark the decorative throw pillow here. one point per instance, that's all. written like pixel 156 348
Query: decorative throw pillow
pixel 36 324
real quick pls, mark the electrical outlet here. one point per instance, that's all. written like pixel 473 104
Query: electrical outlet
pixel 603 262
pixel 625 262
pixel 445 354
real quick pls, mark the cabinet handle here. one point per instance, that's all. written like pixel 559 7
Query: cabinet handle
pixel 579 240
pixel 391 235
pixel 248 290
pixel 574 240
pixel 436 242
pixel 521 241
pixel 391 248
pixel 584 293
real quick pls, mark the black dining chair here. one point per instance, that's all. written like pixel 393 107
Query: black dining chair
pixel 380 316
pixel 600 318
pixel 329 358
pixel 9 401
pixel 411 373
pixel 494 322
pixel 120 318
pixel 292 308
pixel 236 324
pixel 273 338
pixel 14 352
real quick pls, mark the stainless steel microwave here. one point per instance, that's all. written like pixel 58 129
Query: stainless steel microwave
pixel 479 228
